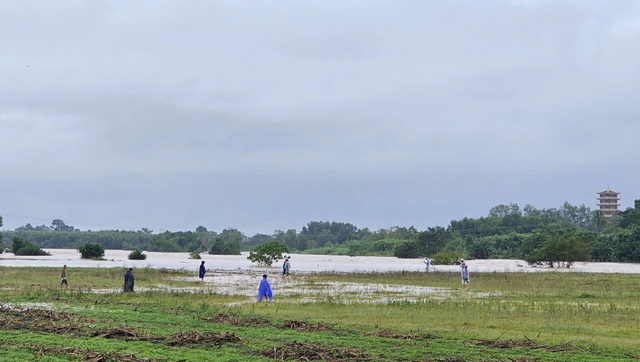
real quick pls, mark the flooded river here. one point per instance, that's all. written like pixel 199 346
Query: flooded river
pixel 300 263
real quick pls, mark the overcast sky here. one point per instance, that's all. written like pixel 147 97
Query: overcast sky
pixel 263 115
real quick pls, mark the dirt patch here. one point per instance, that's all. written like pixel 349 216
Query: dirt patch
pixel 306 326
pixel 192 338
pixel 86 355
pixel 236 320
pixel 46 314
pixel 494 343
pixel 118 333
pixel 297 351
pixel 178 339
pixel 415 336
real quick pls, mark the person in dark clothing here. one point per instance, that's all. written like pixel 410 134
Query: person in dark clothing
pixel 202 272
pixel 128 280
pixel 63 276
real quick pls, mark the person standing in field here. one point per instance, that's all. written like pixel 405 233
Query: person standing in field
pixel 63 276
pixel 202 272
pixel 287 266
pixel 427 263
pixel 465 276
pixel 128 281
pixel 264 290
pixel 284 266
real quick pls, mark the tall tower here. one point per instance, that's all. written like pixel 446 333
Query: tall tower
pixel 608 202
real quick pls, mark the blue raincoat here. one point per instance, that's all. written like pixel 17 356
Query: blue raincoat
pixel 264 290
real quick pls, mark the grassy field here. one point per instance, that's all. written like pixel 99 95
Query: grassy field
pixel 500 317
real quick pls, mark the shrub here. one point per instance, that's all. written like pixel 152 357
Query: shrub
pixel 23 247
pixel 267 253
pixel 91 251
pixel 447 257
pixel 137 255
pixel 195 255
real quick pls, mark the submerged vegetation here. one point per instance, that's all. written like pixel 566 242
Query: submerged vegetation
pixel 502 317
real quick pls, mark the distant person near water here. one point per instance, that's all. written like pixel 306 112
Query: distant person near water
pixel 462 264
pixel 128 281
pixel 264 291
pixel 202 272
pixel 465 276
pixel 427 263
pixel 63 276
pixel 287 266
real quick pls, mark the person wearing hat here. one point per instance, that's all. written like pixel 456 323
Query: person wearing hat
pixel 264 290
pixel 287 266
pixel 202 271
pixel 465 276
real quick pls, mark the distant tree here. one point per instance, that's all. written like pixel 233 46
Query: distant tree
pixel 201 229
pixel 220 247
pixel 560 247
pixel 195 255
pixel 20 246
pixel 137 255
pixel 268 253
pixel 59 225
pixel 91 251
pixel 407 249
pixel 146 231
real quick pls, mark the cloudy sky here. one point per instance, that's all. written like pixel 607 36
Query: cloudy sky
pixel 263 115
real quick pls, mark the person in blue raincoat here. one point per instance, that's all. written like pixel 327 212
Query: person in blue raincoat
pixel 264 291
pixel 202 271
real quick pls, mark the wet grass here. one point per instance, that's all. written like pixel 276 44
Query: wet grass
pixel 519 317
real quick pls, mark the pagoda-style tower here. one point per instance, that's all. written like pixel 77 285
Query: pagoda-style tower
pixel 608 202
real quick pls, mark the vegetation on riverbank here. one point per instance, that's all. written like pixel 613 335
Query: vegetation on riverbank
pixel 541 236
pixel 502 317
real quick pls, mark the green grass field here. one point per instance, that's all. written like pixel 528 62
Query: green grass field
pixel 499 317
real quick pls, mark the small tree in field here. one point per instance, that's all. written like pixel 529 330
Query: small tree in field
pixel 91 251
pixel 137 255
pixel 267 253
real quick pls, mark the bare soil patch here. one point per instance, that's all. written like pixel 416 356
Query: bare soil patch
pixel 297 351
pixel 85 355
pixel 306 326
pixel 494 343
pixel 415 336
pixel 236 320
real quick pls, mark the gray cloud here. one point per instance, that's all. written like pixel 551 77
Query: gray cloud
pixel 268 114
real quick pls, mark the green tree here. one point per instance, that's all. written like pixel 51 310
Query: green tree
pixel 91 251
pixel 220 247
pixel 560 247
pixel 268 253
pixel 20 246
pixel 137 255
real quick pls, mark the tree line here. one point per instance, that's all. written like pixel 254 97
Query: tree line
pixel 554 236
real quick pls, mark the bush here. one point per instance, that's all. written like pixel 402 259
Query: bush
pixel 91 251
pixel 447 257
pixel 23 247
pixel 267 253
pixel 195 255
pixel 137 255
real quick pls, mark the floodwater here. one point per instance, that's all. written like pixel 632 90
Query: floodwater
pixel 300 263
